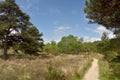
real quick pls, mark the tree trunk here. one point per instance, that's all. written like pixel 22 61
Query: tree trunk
pixel 5 48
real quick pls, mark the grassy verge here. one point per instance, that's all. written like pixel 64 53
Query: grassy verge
pixel 115 71
pixel 79 75
pixel 104 70
pixel 75 72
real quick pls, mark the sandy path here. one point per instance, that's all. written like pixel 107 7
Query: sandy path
pixel 93 72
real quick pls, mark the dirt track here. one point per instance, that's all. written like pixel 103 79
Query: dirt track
pixel 93 72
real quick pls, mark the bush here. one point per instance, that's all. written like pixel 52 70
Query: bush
pixel 109 55
pixel 54 74
pixel 31 41
pixel 51 47
pixel 70 44
pixel 104 70
pixel 115 73
pixel 7 73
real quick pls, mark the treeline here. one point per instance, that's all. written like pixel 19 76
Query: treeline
pixel 73 45
pixel 68 44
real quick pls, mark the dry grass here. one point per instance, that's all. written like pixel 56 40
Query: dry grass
pixel 24 69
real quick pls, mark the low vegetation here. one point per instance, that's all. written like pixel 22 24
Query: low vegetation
pixel 109 70
pixel 115 69
pixel 104 70
pixel 62 67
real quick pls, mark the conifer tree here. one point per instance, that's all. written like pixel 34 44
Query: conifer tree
pixel 32 41
pixel 104 12
pixel 13 22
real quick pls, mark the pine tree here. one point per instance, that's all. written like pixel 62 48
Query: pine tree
pixel 104 12
pixel 13 23
pixel 32 41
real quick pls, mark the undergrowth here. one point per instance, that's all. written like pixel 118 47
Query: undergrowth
pixel 104 70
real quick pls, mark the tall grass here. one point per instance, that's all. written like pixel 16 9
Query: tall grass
pixel 115 71
pixel 79 75
pixel 104 70
pixel 54 74
pixel 61 67
pixel 75 72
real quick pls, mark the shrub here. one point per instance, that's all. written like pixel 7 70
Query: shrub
pixel 7 73
pixel 51 47
pixel 70 44
pixel 109 55
pixel 54 74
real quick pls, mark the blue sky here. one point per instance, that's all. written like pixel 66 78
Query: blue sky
pixel 57 18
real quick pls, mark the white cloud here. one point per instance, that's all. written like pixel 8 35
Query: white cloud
pixel 62 28
pixel 86 18
pixel 101 29
pixel 111 35
pixel 60 31
pixel 90 39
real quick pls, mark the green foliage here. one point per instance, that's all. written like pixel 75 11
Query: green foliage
pixel 26 35
pixel 89 47
pixel 53 74
pixel 32 41
pixel 115 68
pixel 104 12
pixel 61 67
pixel 79 74
pixel 114 45
pixel 16 72
pixel 51 47
pixel 115 73
pixel 26 56
pixel 104 47
pixel 0 45
pixel 104 44
pixel 110 70
pixel 110 55
pixel 16 30
pixel 105 37
pixel 70 44
pixel 7 73
pixel 12 1
pixel 104 70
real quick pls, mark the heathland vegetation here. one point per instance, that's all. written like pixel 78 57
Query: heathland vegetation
pixel 24 56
